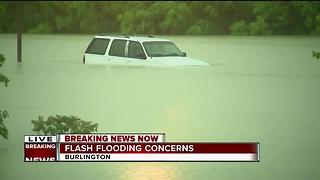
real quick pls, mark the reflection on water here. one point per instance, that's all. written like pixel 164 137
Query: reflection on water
pixel 257 89
pixel 147 171
pixel 175 113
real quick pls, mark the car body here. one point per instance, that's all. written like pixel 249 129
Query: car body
pixel 136 50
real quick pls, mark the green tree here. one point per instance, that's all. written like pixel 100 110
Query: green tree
pixel 2 15
pixel 271 18
pixel 177 19
pixel 202 21
pixel 239 28
pixel 310 11
pixel 42 28
pixel 240 18
pixel 259 27
pixel 137 20
pixel 200 27
pixel 73 18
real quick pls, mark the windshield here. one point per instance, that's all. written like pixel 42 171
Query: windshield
pixel 161 49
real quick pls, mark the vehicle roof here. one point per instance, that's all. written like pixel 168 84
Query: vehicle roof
pixel 139 38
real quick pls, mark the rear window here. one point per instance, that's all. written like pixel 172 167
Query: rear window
pixel 118 48
pixel 98 46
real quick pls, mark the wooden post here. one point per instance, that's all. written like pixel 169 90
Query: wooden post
pixel 19 60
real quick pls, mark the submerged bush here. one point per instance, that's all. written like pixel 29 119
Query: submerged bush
pixel 3 130
pixel 62 124
pixel 3 113
pixel 316 54
pixel 3 78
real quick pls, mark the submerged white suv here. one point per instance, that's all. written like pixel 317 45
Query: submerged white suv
pixel 136 50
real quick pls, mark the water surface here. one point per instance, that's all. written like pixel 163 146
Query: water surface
pixel 264 89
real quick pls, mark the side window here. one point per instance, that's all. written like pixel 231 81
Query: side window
pixel 98 46
pixel 135 50
pixel 118 48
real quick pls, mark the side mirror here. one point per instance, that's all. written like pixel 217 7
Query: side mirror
pixel 184 54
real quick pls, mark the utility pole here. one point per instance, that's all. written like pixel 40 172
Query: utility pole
pixel 19 60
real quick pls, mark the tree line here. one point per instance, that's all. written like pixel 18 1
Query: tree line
pixel 182 18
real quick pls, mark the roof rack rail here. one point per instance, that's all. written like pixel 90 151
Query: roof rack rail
pixel 115 34
pixel 143 35
pixel 125 35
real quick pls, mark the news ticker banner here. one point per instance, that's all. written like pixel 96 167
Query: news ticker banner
pixel 133 147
